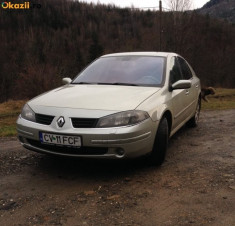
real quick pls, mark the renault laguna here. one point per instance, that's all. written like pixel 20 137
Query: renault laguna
pixel 122 105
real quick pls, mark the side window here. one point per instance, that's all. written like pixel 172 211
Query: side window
pixel 175 73
pixel 187 74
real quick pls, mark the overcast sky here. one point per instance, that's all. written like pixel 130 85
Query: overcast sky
pixel 142 3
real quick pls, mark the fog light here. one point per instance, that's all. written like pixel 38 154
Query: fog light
pixel 120 151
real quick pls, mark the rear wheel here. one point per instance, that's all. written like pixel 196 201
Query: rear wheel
pixel 158 154
pixel 193 122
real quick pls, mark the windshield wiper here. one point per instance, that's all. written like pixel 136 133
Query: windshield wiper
pixel 118 84
pixel 124 84
pixel 85 83
pixel 104 83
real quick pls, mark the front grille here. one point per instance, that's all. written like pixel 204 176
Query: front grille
pixel 69 150
pixel 44 119
pixel 84 122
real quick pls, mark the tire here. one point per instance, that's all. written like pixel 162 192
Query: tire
pixel 193 122
pixel 158 153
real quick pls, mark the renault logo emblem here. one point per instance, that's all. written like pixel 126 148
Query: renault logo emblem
pixel 60 121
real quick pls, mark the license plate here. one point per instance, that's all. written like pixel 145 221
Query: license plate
pixel 56 139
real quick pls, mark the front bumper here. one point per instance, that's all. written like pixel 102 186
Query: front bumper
pixel 120 142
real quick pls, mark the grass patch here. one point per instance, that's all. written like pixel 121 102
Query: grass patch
pixel 8 126
pixel 222 100
pixel 8 131
pixel 9 112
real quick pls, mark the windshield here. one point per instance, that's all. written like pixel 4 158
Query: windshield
pixel 124 70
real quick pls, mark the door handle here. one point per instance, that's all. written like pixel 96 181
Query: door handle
pixel 196 86
pixel 187 92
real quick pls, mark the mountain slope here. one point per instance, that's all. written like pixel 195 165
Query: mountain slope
pixel 222 9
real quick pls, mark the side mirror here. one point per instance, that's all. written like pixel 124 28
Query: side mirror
pixel 66 81
pixel 182 84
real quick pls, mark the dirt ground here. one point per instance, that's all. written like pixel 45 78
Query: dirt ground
pixel 195 186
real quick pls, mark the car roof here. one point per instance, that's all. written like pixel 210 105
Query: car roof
pixel 161 54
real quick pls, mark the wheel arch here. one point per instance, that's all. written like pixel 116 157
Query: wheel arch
pixel 168 116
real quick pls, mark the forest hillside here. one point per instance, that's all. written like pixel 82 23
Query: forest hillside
pixel 41 45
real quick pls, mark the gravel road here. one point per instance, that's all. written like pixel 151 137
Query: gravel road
pixel 195 186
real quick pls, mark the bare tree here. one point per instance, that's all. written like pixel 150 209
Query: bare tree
pixel 180 25
pixel 179 5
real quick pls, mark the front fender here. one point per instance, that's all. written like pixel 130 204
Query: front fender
pixel 156 114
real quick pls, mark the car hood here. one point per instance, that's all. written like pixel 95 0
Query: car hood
pixel 99 97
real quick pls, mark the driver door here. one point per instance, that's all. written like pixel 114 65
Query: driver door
pixel 179 97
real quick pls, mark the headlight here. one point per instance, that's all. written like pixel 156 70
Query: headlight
pixel 125 118
pixel 27 113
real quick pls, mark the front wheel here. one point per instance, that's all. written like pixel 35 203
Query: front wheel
pixel 193 122
pixel 158 154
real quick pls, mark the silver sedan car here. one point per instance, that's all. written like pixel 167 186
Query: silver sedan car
pixel 122 105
